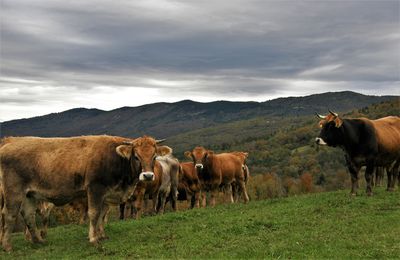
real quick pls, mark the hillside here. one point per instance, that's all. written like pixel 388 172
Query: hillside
pixel 320 225
pixel 167 119
pixel 272 141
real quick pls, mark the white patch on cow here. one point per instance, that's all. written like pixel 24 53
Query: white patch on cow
pixel 199 165
pixel 145 176
pixel 320 141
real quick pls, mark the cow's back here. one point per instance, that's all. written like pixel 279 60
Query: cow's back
pixel 388 134
pixel 228 166
pixel 60 165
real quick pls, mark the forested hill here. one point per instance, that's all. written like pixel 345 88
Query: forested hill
pixel 167 119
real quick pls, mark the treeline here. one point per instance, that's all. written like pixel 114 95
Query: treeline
pixel 283 148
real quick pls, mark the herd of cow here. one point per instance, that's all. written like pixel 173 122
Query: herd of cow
pixel 37 174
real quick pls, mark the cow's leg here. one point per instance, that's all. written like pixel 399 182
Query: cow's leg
pixel 203 196
pixel 229 190
pixel 395 172
pixel 368 177
pixel 10 212
pixel 378 176
pixel 389 181
pixel 196 200
pixel 162 199
pixel 122 211
pixel 103 221
pixel 139 203
pixel 28 211
pixel 243 190
pixel 213 195
pixel 95 204
pixel 45 211
pixel 354 179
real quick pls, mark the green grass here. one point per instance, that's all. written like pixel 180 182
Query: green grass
pixel 323 225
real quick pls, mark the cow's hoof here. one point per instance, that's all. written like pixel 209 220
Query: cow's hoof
pixel 95 243
pixel 369 194
pixel 104 238
pixel 7 248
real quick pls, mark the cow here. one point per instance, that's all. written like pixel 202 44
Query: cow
pixel 164 185
pixel 217 170
pixel 59 170
pixel 189 184
pixel 235 187
pixel 370 143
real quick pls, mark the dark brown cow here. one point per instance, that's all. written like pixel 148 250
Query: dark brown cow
pixel 59 170
pixel 218 170
pixel 189 184
pixel 370 143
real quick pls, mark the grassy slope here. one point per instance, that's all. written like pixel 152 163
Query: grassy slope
pixel 324 225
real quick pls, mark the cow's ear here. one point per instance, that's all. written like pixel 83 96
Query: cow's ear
pixel 163 150
pixel 124 151
pixel 338 122
pixel 188 155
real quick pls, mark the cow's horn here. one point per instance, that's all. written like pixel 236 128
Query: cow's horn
pixel 333 113
pixel 160 141
pixel 319 116
pixel 128 142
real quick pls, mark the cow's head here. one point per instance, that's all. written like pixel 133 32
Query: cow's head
pixel 331 130
pixel 199 156
pixel 142 153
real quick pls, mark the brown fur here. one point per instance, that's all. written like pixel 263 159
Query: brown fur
pixel 165 185
pixel 189 183
pixel 60 170
pixel 219 170
pixel 387 154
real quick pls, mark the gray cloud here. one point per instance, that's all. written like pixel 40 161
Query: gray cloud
pixel 57 52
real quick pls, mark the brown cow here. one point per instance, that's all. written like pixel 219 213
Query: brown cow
pixel 235 187
pixel 59 170
pixel 218 170
pixel 370 143
pixel 165 185
pixel 189 184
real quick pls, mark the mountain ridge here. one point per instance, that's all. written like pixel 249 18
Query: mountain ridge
pixel 167 119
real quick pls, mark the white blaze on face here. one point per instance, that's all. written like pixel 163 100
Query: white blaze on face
pixel 320 141
pixel 146 176
pixel 199 165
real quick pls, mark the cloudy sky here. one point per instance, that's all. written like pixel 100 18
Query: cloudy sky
pixel 57 55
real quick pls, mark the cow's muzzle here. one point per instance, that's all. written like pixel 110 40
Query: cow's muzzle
pixel 199 166
pixel 146 176
pixel 320 141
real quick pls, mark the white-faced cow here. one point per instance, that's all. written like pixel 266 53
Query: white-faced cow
pixel 164 185
pixel 370 143
pixel 218 170
pixel 59 170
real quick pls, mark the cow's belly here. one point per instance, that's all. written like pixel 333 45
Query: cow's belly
pixel 57 198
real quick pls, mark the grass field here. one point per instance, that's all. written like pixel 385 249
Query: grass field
pixel 323 225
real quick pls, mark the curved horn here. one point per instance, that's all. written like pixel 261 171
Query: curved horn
pixel 319 116
pixel 333 113
pixel 160 141
pixel 127 142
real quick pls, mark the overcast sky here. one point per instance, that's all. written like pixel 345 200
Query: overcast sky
pixel 57 55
